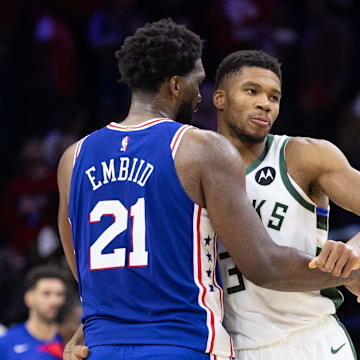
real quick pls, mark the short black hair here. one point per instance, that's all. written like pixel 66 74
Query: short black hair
pixel 157 51
pixel 235 61
pixel 42 272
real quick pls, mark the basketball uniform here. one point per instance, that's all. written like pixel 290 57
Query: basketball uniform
pixel 261 320
pixel 145 253
pixel 19 344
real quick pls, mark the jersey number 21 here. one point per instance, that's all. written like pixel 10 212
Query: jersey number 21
pixel 138 256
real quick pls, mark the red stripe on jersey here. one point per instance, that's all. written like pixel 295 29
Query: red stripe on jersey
pixel 78 146
pixel 178 135
pixel 214 280
pixel 200 279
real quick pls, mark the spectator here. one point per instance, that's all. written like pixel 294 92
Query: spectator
pixel 30 199
pixel 325 60
pixel 37 338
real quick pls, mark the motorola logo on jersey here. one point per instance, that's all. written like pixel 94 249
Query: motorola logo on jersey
pixel 265 176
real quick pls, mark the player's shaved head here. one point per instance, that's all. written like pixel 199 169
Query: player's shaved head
pixel 234 62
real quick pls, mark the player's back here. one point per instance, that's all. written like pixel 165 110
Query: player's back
pixel 145 252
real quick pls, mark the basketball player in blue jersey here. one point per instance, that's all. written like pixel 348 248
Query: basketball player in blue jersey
pixel 37 338
pixel 141 202
pixel 289 182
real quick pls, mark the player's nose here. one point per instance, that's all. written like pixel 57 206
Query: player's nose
pixel 263 103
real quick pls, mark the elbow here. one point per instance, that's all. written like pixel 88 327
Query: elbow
pixel 264 273
pixel 262 279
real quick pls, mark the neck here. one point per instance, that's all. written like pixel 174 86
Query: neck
pixel 41 330
pixel 145 107
pixel 248 150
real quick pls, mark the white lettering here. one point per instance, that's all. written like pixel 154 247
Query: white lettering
pixel 124 168
pixel 146 174
pixel 92 178
pixel 132 169
pixel 137 173
pixel 108 172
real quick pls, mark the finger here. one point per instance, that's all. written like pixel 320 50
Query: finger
pixel 313 263
pixel 341 264
pixel 336 260
pixel 81 351
pixel 358 299
pixel 349 267
pixel 85 352
pixel 324 254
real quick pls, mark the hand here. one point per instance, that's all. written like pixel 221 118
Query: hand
pixel 74 349
pixel 337 258
pixel 75 352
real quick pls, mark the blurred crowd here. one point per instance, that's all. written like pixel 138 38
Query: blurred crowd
pixel 59 82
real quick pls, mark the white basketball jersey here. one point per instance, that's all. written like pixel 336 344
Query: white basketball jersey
pixel 255 316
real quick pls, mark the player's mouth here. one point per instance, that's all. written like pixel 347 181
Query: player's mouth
pixel 260 121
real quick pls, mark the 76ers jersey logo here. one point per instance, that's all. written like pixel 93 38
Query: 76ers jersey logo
pixel 124 143
pixel 265 176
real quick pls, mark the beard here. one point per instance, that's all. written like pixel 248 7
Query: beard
pixel 244 136
pixel 184 112
pixel 47 319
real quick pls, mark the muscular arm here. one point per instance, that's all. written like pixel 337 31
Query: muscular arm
pixel 64 179
pixel 218 165
pixel 322 170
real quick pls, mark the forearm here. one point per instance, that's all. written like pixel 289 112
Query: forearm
pixel 78 337
pixel 355 241
pixel 288 271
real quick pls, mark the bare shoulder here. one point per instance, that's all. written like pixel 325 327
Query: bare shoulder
pixel 65 167
pixel 202 155
pixel 311 154
pixel 208 146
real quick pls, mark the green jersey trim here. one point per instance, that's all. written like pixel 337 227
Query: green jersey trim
pixel 289 186
pixel 347 335
pixel 258 161
pixel 334 294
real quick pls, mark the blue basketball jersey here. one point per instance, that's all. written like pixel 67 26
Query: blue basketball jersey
pixel 145 253
pixel 19 344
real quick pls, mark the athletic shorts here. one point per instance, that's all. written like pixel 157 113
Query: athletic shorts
pixel 148 352
pixel 327 341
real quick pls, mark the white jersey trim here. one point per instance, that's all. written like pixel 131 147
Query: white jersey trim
pixel 144 125
pixel 210 296
pixel 78 148
pixel 176 140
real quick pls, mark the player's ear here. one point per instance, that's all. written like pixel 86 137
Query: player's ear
pixel 175 85
pixel 219 99
pixel 28 299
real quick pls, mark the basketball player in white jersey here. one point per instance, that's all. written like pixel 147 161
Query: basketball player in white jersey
pixel 289 182
pixel 209 170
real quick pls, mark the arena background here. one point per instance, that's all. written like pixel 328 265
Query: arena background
pixel 58 82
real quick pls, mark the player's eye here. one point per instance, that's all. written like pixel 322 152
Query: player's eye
pixel 251 91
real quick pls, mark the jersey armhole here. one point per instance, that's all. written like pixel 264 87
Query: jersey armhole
pixel 176 140
pixel 78 149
